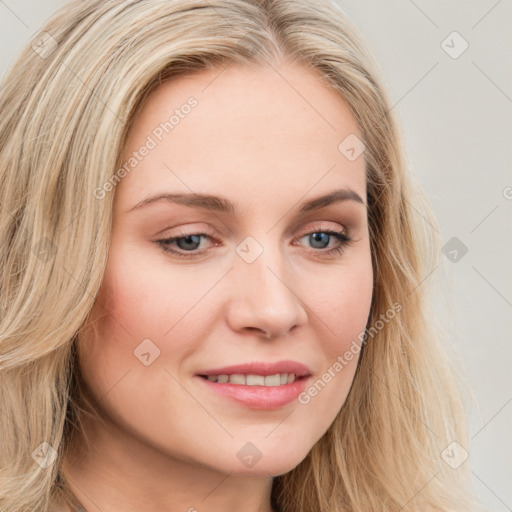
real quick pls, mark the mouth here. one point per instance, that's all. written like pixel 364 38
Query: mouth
pixel 240 379
pixel 270 391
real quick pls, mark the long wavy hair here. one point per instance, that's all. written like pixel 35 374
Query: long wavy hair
pixel 67 105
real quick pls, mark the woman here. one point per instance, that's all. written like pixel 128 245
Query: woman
pixel 285 361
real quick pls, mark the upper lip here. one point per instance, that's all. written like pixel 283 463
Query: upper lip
pixel 261 368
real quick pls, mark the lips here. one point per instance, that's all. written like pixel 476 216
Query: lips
pixel 256 384
pixel 260 368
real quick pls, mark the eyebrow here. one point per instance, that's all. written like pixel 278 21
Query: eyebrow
pixel 223 205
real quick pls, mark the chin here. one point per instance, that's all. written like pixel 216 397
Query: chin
pixel 273 468
pixel 263 459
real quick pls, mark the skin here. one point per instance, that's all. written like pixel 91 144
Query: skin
pixel 267 141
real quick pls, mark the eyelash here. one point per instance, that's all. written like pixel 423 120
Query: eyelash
pixel 344 240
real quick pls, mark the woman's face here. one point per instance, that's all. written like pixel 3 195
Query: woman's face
pixel 246 281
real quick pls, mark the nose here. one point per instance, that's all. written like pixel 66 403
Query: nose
pixel 263 297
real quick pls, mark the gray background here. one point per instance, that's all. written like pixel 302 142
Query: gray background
pixel 456 115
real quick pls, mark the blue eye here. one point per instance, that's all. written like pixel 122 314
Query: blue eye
pixel 186 245
pixel 324 236
pixel 188 240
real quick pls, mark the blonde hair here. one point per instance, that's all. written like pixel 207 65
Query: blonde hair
pixel 67 105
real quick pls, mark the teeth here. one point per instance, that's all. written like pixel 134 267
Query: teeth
pixel 253 380
pixel 273 380
pixel 278 379
pixel 237 378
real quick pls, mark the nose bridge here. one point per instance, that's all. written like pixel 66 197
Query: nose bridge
pixel 263 295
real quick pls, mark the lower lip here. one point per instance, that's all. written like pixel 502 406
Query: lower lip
pixel 259 397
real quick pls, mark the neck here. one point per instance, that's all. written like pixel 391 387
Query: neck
pixel 121 472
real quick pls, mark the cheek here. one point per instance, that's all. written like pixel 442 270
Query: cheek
pixel 342 305
pixel 341 314
pixel 141 299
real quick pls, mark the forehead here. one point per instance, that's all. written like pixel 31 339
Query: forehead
pixel 250 129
